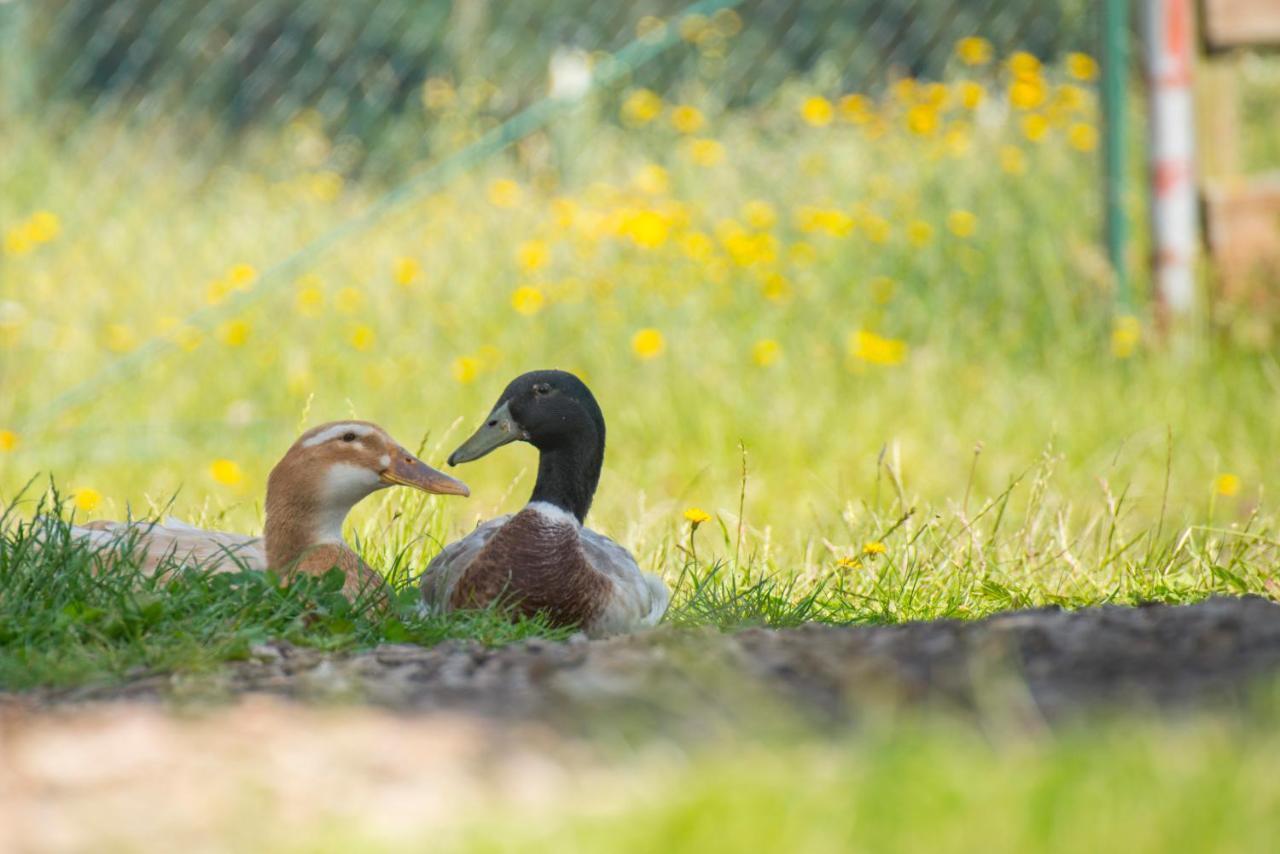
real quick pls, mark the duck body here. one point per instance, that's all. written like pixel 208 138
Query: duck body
pixel 543 559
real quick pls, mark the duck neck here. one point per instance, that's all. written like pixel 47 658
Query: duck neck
pixel 299 520
pixel 568 475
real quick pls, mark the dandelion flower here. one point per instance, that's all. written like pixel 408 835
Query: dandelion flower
pixel 361 337
pixel 86 498
pixel 533 255
pixel 696 516
pixel 17 243
pixel 705 152
pixel 697 246
pixel 1027 93
pixel 527 300
pixel 1083 137
pixel 855 108
pixel 849 563
pixel 648 344
pixel 1035 127
pixel 1023 64
pixel 1226 485
pixel 869 347
pixel 1081 66
pixel 777 287
pixel 8 440
pixel 242 276
pixel 647 229
pixel 971 94
pixel 1126 334
pixel 406 271
pixel 922 120
pixel 765 352
pixel 504 193
pixel 43 227
pixel 962 223
pixel 226 472
pixel 234 333
pixel 817 111
pixel 974 50
pixel 687 119
pixel 759 214
pixel 652 180
pixel 919 233
pixel 309 301
pixel 873 547
pixel 465 369
pixel 640 107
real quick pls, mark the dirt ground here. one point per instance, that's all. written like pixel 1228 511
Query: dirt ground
pixel 406 735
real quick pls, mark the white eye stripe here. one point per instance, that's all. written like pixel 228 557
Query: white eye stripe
pixel 335 431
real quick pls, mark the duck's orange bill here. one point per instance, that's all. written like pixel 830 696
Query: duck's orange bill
pixel 408 470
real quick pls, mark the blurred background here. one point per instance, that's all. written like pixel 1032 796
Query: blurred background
pixel 857 239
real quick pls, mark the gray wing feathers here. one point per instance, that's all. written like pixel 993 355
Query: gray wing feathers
pixel 440 576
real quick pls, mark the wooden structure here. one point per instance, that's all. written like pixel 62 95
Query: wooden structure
pixel 1241 212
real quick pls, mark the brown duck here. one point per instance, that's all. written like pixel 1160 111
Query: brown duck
pixel 326 472
pixel 542 559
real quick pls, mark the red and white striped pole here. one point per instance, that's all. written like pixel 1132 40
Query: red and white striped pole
pixel 1171 147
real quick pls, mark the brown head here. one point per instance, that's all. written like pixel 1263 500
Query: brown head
pixel 329 470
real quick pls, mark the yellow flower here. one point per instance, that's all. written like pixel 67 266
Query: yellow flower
pixel 971 94
pixel 687 119
pixel 1023 64
pixel 957 139
pixel 504 193
pixel 855 108
pixel 765 352
pixel 640 107
pixel 871 348
pixel 697 246
pixel 849 563
pixel 974 50
pixel 361 337
pixel 43 227
pixel 817 111
pixel 226 472
pixel 234 333
pixel 696 515
pixel 877 229
pixel 962 223
pixel 1027 93
pixel 759 214
pixel 8 440
pixel 120 338
pixel 1070 97
pixel 465 369
pixel 1081 66
pixel 652 179
pixel 1083 137
pixel 17 243
pixel 648 343
pixel 922 120
pixel 217 291
pixel 1126 334
pixel 873 547
pixel 919 233
pixel 802 254
pixel 1226 485
pixel 533 255
pixel 1012 160
pixel 647 229
pixel 86 498
pixel 242 276
pixel 406 271
pixel 309 300
pixel 349 300
pixel 527 300
pixel 705 152
pixel 777 287
pixel 1035 127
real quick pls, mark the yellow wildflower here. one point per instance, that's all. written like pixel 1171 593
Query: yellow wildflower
pixel 242 276
pixel 1083 137
pixel 1126 334
pixel 802 254
pixel 86 498
pixel 533 255
pixel 217 291
pixel 855 108
pixel 527 300
pixel 465 369
pixel 696 516
pixel 349 300
pixel 17 243
pixel 905 90
pixel 871 348
pixel 406 271
pixel 1027 93
pixel 697 246
pixel 1226 485
pixel 226 472
pixel 43 227
pixel 971 94
pixel 705 152
pixel 504 193
pixel 652 179
pixel 687 119
pixel 919 233
pixel 848 563
pixel 765 352
pixel 759 214
pixel 309 300
pixel 873 547
pixel 647 229
pixel 974 50
pixel 1035 127
pixel 957 139
pixel 962 223
pixel 877 228
pixel 640 107
pixel 234 333
pixel 817 111
pixel 922 120
pixel 361 337
pixel 8 440
pixel 1023 64
pixel 648 343
pixel 1070 97
pixel 1013 160
pixel 777 287
pixel 1081 66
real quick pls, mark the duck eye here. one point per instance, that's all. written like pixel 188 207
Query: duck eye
pixel 348 437
pixel 541 389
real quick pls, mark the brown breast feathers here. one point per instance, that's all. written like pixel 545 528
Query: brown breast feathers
pixel 534 563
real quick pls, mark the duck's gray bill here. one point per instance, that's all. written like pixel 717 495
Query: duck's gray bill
pixel 498 430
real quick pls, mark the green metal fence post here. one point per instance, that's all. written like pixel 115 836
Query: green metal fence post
pixel 1115 73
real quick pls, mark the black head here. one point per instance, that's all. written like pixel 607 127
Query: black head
pixel 556 413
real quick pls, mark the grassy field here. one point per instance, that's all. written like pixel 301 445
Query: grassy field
pixel 871 338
